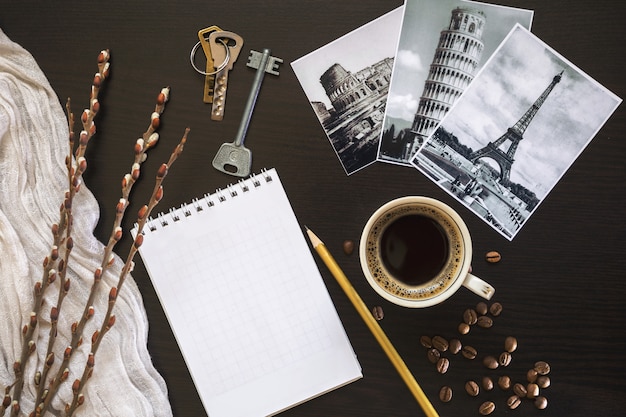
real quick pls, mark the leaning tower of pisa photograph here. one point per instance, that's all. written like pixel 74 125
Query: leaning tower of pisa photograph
pixel 453 68
pixel 443 45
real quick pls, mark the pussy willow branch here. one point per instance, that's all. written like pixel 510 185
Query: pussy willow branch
pixel 61 236
pixel 74 180
pixel 64 282
pixel 148 140
pixel 109 319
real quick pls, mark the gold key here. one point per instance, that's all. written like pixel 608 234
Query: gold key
pixel 209 78
pixel 225 47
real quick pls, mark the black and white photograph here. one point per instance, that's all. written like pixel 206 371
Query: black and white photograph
pixel 346 82
pixel 442 46
pixel 516 130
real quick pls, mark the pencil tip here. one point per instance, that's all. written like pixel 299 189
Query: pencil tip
pixel 315 241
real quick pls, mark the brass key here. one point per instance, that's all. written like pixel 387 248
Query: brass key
pixel 209 78
pixel 218 42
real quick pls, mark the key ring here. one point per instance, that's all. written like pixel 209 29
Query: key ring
pixel 218 69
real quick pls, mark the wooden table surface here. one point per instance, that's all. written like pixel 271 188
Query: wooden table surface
pixel 561 280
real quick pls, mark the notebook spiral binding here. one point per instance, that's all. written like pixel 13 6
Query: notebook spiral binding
pixel 207 201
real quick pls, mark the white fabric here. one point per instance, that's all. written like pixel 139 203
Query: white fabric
pixel 33 147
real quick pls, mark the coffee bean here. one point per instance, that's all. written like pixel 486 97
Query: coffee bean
pixel 348 247
pixel 486 408
pixel 487 383
pixel 485 322
pixel 531 375
pixel 493 257
pixel 442 365
pixel 426 342
pixel 490 362
pixel 542 368
pixel 520 390
pixel 440 343
pixel 481 308
pixel 510 344
pixel 472 388
pixel 505 359
pixel 495 309
pixel 469 352
pixel 543 381
pixel 464 328
pixel 513 402
pixel 433 355
pixel 541 402
pixel 470 316
pixel 445 394
pixel 504 382
pixel 378 313
pixel 532 390
pixel 455 346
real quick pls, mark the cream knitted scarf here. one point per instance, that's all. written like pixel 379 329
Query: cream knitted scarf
pixel 33 147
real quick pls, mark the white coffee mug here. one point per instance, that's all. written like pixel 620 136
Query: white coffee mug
pixel 417 251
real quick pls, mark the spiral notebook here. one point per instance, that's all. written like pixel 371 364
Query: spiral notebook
pixel 246 301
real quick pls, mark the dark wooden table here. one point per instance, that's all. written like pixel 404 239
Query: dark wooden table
pixel 561 280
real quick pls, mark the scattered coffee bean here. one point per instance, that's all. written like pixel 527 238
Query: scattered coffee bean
pixel 426 341
pixel 470 316
pixel 505 359
pixel 445 394
pixel 490 362
pixel 504 382
pixel 542 368
pixel 495 309
pixel 348 247
pixel 378 313
pixel 440 343
pixel 513 402
pixel 442 365
pixel 481 308
pixel 433 355
pixel 472 389
pixel 487 383
pixel 485 322
pixel 520 390
pixel 486 408
pixel 455 346
pixel 469 352
pixel 541 402
pixel 543 381
pixel 493 257
pixel 531 375
pixel 510 344
pixel 464 328
pixel 532 390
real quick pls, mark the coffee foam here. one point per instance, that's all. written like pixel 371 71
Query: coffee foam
pixel 446 277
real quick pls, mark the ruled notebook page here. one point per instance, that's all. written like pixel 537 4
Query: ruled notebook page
pixel 246 301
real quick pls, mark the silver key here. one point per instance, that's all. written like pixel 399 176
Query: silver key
pixel 219 42
pixel 234 158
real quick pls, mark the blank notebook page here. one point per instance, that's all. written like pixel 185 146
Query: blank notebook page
pixel 246 302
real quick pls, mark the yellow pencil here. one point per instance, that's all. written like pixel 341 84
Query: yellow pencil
pixel 373 325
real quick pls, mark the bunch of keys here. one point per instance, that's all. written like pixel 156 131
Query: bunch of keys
pixel 221 49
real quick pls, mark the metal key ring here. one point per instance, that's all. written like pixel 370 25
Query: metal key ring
pixel 218 69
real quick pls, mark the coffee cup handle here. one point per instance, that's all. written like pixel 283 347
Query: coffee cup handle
pixel 478 286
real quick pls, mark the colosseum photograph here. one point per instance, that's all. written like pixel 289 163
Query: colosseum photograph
pixel 347 87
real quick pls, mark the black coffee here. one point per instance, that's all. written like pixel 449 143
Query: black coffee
pixel 414 248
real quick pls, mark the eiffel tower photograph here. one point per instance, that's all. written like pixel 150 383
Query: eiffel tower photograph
pixel 515 132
